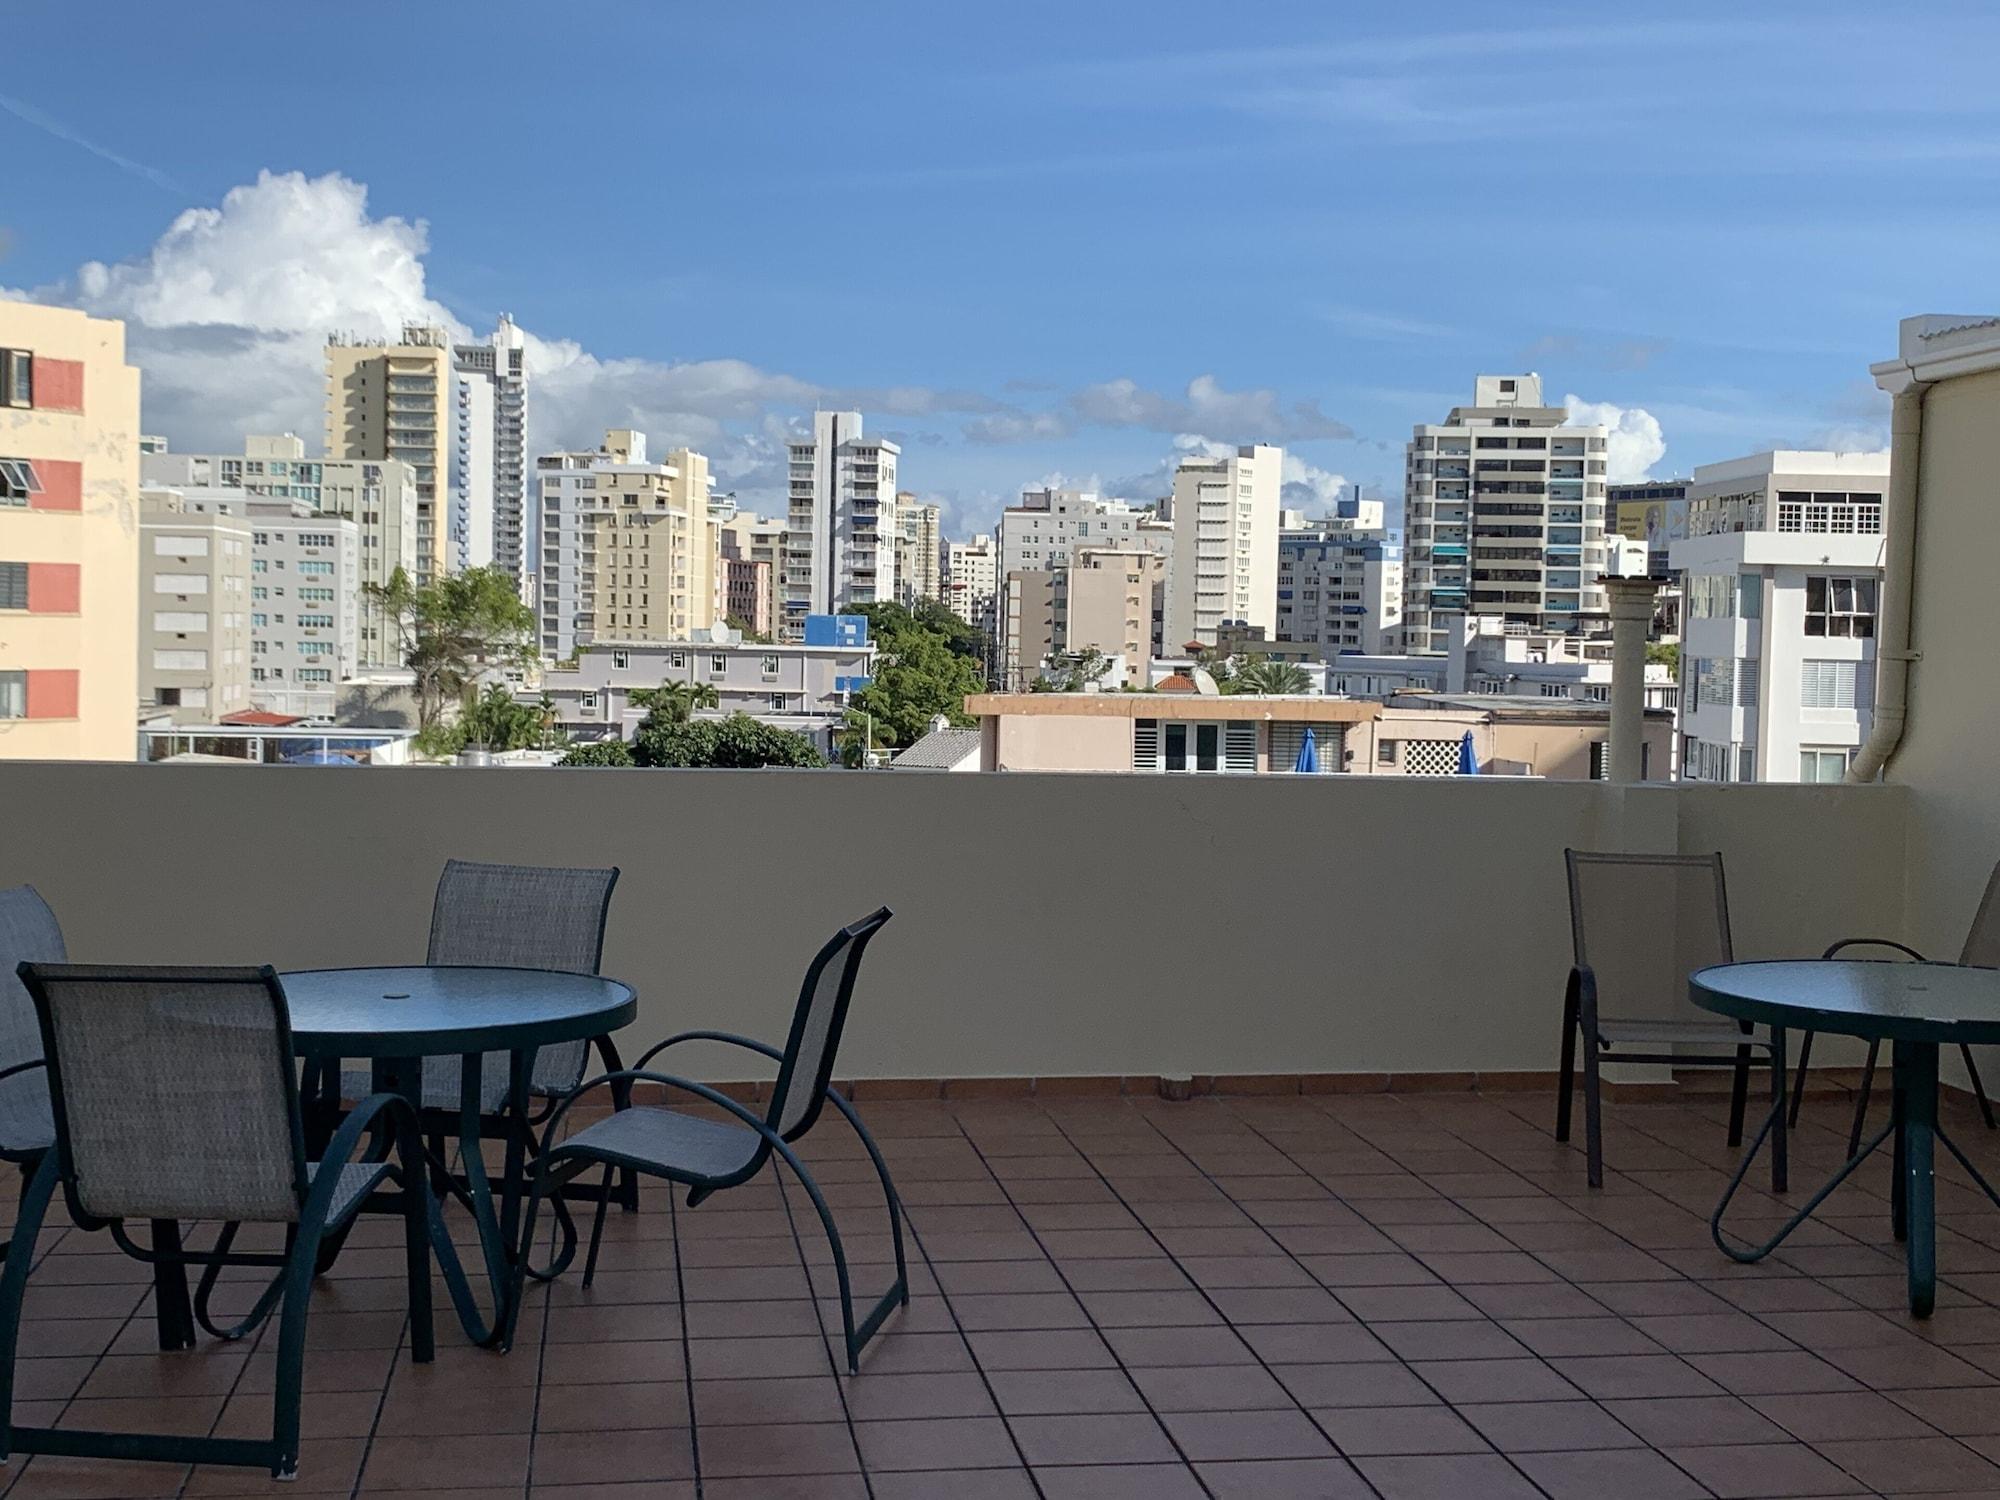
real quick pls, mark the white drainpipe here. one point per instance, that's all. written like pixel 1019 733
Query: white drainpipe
pixel 1893 653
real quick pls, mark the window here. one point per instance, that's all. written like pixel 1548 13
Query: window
pixel 1385 752
pixel 1827 684
pixel 17 377
pixel 315 622
pixel 1823 763
pixel 1840 607
pixel 17 481
pixel 180 583
pixel 314 674
pixel 13 695
pixel 13 585
pixel 778 703
pixel 317 569
pixel 677 660
pixel 315 648
pixel 1600 760
pixel 180 546
pixel 717 665
pixel 180 622
pixel 621 659
pixel 770 666
pixel 180 661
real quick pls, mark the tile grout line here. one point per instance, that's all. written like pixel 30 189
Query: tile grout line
pixel 1200 1290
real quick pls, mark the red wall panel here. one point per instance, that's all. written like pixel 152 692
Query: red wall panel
pixel 55 589
pixel 59 384
pixel 62 484
pixel 52 694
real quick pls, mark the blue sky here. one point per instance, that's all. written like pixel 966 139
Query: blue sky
pixel 1031 239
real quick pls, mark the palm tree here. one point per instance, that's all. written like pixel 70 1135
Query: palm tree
pixel 677 702
pixel 1265 676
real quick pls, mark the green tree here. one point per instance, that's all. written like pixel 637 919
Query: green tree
pixel 919 671
pixel 1667 654
pixel 676 702
pixel 1073 671
pixel 855 738
pixel 598 753
pixel 737 741
pixel 1262 675
pixel 451 628
pixel 742 627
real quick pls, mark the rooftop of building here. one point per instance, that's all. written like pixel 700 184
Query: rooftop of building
pixel 940 750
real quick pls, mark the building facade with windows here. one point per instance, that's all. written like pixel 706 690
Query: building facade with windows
pixel 1340 590
pixel 489 458
pixel 753 550
pixel 194 608
pixel 1103 601
pixel 69 536
pixel 919 572
pixel 841 534
pixel 1042 535
pixel 395 401
pixel 972 580
pixel 788 685
pixel 1226 514
pixel 1505 505
pixel 629 550
pixel 378 495
pixel 305 577
pixel 1780 576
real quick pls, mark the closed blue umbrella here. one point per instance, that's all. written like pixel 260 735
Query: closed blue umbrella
pixel 1468 758
pixel 1308 762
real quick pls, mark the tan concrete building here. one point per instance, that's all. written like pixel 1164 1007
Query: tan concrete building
pixel 378 495
pixel 394 401
pixel 69 536
pixel 629 549
pixel 758 546
pixel 194 609
pixel 1102 601
pixel 1204 733
pixel 919 570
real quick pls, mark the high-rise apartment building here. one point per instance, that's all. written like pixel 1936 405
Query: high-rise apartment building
pixel 971 581
pixel 69 536
pixel 753 548
pixel 919 574
pixel 304 626
pixel 489 467
pixel 1505 515
pixel 378 495
pixel 1780 573
pixel 388 400
pixel 841 543
pixel 1045 532
pixel 194 608
pixel 1225 513
pixel 629 551
pixel 1101 601
pixel 1340 590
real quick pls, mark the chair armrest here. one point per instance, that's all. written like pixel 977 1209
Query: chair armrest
pixel 1583 985
pixel 727 1038
pixel 340 1152
pixel 22 1067
pixel 1873 942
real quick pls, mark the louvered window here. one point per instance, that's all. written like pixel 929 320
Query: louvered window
pixel 1826 684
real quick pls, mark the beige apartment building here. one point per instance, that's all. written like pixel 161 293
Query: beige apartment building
pixel 753 557
pixel 919 569
pixel 1102 601
pixel 69 537
pixel 630 551
pixel 388 400
pixel 378 495
pixel 194 609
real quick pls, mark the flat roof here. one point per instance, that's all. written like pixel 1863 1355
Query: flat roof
pixel 1290 707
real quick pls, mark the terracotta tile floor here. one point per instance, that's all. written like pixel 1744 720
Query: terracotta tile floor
pixel 1404 1296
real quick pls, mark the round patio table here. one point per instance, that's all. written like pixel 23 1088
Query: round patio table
pixel 1916 1008
pixel 396 1017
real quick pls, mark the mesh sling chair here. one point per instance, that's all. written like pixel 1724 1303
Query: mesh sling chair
pixel 512 916
pixel 707 1155
pixel 1639 925
pixel 28 934
pixel 175 1097
pixel 1981 950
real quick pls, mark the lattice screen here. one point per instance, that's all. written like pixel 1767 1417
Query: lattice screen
pixel 1430 757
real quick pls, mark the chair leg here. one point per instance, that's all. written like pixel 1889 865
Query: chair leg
pixel 1739 1095
pixel 286 1401
pixel 889 1198
pixel 1799 1078
pixel 839 1255
pixel 597 1228
pixel 417 1244
pixel 14 1283
pixel 1861 1102
pixel 1593 1119
pixel 1567 1081
pixel 1780 1167
pixel 1978 1089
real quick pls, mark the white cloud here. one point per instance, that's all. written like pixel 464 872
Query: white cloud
pixel 1254 415
pixel 1633 443
pixel 1309 488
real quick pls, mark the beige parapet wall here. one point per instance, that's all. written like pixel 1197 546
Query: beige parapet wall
pixel 1045 925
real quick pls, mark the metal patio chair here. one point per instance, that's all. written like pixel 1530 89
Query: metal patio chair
pixel 514 916
pixel 708 1155
pixel 174 1097
pixel 28 933
pixel 1980 950
pixel 1639 925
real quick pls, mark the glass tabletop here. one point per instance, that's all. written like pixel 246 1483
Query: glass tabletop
pixel 1923 1002
pixel 426 1010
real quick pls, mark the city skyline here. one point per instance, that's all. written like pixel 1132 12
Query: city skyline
pixel 1292 197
